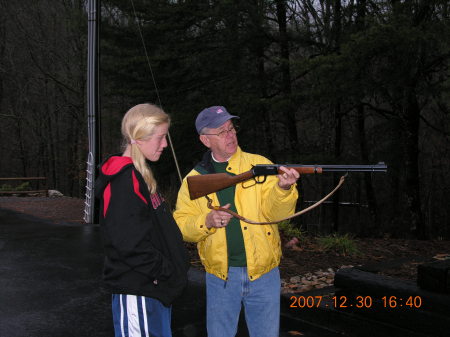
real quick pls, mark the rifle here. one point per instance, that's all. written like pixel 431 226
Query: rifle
pixel 201 185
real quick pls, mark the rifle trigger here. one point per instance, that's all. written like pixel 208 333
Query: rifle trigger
pixel 260 182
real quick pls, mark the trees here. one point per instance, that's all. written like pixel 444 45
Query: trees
pixel 43 75
pixel 314 81
pixel 404 60
pixel 387 74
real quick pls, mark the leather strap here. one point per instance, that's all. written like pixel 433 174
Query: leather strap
pixel 240 217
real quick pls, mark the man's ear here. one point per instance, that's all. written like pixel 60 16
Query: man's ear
pixel 205 141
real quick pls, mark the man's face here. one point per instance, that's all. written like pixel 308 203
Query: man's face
pixel 222 141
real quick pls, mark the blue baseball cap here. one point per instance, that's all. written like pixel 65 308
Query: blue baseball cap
pixel 212 117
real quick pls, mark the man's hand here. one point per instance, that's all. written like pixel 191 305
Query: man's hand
pixel 218 219
pixel 288 178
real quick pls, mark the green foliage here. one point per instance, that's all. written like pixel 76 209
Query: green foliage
pixel 341 244
pixel 23 187
pixel 6 187
pixel 290 230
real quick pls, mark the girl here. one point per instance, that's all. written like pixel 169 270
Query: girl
pixel 146 262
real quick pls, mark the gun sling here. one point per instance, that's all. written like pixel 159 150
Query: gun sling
pixel 240 217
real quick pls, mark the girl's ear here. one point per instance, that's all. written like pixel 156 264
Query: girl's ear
pixel 139 142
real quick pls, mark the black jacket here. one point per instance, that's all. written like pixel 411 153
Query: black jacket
pixel 145 254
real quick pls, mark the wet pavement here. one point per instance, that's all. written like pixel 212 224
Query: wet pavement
pixel 50 285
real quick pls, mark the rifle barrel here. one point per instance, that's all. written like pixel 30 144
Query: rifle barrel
pixel 380 167
pixel 310 169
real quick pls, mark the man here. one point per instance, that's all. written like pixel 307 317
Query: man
pixel 241 260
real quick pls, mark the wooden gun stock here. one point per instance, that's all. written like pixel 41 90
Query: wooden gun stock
pixel 201 185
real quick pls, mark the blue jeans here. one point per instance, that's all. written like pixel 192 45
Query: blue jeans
pixel 260 298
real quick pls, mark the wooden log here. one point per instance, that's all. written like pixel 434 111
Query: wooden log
pixel 23 178
pixel 379 285
pixel 434 276
pixel 396 302
pixel 24 192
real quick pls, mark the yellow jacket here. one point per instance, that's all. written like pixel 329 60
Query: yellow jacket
pixel 260 202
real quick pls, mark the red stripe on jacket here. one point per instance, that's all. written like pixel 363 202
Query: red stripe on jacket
pixel 136 188
pixel 106 198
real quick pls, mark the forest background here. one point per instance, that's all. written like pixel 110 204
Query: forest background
pixel 313 81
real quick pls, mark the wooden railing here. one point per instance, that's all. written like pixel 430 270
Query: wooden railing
pixel 42 187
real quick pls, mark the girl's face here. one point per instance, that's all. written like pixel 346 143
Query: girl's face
pixel 153 146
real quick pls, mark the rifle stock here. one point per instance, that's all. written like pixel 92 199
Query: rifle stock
pixel 201 185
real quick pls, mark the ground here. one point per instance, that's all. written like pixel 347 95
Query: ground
pixel 304 266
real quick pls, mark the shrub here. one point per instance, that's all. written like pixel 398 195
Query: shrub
pixel 6 187
pixel 341 244
pixel 290 230
pixel 23 187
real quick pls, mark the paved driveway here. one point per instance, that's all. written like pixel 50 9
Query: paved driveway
pixel 50 285
pixel 50 279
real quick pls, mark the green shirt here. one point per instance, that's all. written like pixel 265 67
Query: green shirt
pixel 235 240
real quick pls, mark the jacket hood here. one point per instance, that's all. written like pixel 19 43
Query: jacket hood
pixel 109 169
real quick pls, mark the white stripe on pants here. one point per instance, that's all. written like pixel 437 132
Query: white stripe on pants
pixel 139 316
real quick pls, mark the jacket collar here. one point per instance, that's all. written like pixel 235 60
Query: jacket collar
pixel 206 166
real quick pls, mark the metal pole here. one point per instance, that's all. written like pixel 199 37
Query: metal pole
pixel 93 111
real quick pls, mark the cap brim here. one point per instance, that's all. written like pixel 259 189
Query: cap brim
pixel 221 121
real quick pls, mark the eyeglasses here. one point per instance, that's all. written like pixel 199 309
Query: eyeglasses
pixel 233 129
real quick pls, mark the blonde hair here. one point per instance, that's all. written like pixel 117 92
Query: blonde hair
pixel 139 123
